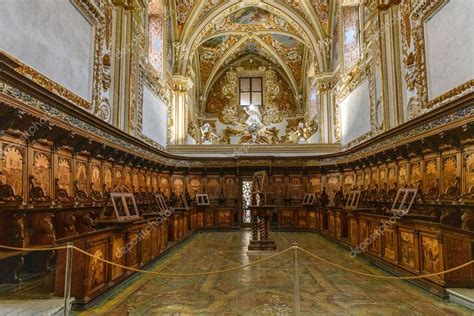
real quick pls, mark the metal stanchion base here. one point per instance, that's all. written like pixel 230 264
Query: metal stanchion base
pixel 262 245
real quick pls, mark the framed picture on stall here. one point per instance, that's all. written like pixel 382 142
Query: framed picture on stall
pixel 353 199
pixel 202 199
pixel 309 199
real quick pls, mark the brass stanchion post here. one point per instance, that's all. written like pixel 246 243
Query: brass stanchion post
pixel 67 278
pixel 296 284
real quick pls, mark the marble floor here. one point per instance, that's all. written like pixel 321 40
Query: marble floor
pixel 266 289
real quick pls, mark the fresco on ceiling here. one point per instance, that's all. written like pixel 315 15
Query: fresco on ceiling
pixel 211 51
pixel 183 9
pixel 291 55
pixel 250 47
pixel 321 7
pixel 288 41
pixel 350 17
pixel 208 6
pixel 251 19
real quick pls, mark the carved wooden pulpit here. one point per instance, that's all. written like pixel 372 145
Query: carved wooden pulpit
pixel 261 211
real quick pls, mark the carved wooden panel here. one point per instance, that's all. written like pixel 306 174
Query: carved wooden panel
pixel 376 245
pixel 279 188
pixel 459 252
pixel 145 244
pixel 374 177
pixel 349 182
pixel 81 175
pixel 132 254
pixel 127 178
pixel 195 186
pixel 390 243
pixel 287 218
pixel 469 172
pixel 118 246
pixel 331 223
pixel 230 188
pixel 402 175
pixel 383 177
pixel 210 219
pixel 96 178
pixel 224 218
pixel 431 174
pixel 431 255
pixel 363 231
pixel 353 231
pixel 148 184
pixel 315 185
pixel 118 177
pixel 392 177
pixel 108 179
pixel 13 167
pixel 155 240
pixel 155 182
pixel 96 269
pixel 165 186
pixel 296 187
pixel 178 185
pixel 141 181
pixel 360 179
pixel 415 173
pixel 366 178
pixel 135 181
pixel 213 188
pixel 448 172
pixel 408 249
pixel 332 185
pixel 302 219
pixel 312 220
pixel 42 172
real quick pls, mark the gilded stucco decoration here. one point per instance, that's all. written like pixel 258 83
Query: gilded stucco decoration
pixel 278 97
pixel 413 15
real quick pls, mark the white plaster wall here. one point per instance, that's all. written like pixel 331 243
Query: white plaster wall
pixel 355 113
pixel 449 44
pixel 51 36
pixel 155 119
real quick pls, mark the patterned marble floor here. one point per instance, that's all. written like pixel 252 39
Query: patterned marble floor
pixel 267 289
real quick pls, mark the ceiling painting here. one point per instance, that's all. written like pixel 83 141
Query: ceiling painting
pixel 211 51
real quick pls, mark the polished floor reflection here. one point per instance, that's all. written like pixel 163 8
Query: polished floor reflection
pixel 267 289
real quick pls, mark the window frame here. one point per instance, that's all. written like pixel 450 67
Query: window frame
pixel 251 91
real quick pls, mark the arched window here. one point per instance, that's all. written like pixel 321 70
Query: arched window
pixel 155 36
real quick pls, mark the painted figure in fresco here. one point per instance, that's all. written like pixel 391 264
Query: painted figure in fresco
pixel 254 122
pixel 300 133
pixel 207 135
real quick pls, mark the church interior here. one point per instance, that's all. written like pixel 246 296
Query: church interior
pixel 236 157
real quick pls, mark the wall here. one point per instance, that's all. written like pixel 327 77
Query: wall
pixel 154 117
pixel 53 37
pixel 355 113
pixel 449 47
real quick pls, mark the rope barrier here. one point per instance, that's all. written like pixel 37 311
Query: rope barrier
pixel 185 274
pixel 385 276
pixel 33 249
pixel 245 265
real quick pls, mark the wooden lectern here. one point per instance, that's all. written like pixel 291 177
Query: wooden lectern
pixel 261 211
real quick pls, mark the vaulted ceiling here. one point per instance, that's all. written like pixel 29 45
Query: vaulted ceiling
pixel 211 34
